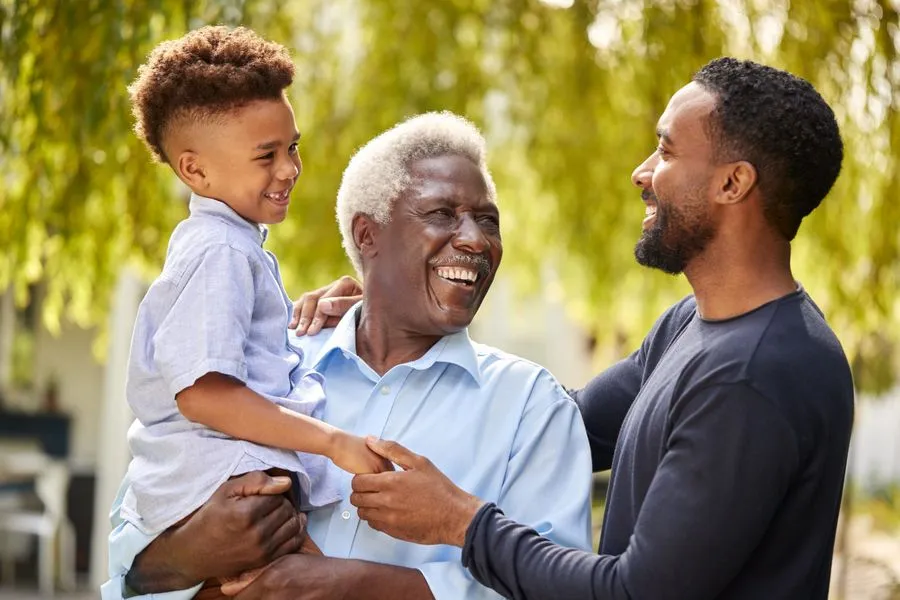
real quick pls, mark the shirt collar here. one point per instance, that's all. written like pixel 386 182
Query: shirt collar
pixel 201 205
pixel 455 349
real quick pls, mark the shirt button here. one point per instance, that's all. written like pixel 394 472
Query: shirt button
pixel 385 390
pixel 345 515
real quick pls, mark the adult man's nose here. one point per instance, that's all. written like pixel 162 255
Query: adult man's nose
pixel 643 173
pixel 469 236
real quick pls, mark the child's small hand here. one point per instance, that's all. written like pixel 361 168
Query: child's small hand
pixel 352 454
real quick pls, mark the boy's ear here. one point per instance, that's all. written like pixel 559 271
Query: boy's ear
pixel 190 170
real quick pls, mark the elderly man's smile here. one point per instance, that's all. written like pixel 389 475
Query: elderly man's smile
pixel 458 275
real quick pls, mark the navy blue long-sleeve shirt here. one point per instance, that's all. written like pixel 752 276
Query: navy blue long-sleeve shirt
pixel 730 440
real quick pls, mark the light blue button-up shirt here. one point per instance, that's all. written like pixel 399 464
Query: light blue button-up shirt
pixel 499 426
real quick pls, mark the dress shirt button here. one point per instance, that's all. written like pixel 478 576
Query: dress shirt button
pixel 345 515
pixel 385 390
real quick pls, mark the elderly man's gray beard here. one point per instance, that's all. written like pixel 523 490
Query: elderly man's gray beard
pixel 476 261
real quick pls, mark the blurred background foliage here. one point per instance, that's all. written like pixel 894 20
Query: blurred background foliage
pixel 567 92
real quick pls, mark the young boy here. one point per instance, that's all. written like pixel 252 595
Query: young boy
pixel 216 388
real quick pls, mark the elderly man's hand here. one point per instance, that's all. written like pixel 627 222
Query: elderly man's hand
pixel 247 523
pixel 325 306
pixel 419 504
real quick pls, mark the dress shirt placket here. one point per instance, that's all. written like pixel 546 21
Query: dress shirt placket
pixel 372 421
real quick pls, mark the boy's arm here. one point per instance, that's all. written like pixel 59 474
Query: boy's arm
pixel 227 405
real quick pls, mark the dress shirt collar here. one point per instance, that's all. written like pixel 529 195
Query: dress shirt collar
pixel 455 349
pixel 201 205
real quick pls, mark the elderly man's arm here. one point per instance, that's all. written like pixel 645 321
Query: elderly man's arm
pixel 245 524
pixel 309 577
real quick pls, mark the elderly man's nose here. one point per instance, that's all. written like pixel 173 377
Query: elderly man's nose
pixel 469 236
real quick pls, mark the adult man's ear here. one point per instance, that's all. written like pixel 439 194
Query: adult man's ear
pixel 365 235
pixel 189 168
pixel 739 180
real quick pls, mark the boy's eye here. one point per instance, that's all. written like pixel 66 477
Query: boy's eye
pixel 292 149
pixel 267 156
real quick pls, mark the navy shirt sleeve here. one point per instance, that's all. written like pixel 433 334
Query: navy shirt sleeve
pixel 604 402
pixel 730 457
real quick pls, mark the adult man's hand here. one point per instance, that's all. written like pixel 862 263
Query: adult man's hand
pixel 419 504
pixel 246 524
pixel 325 306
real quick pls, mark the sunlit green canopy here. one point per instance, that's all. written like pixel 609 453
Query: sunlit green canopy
pixel 567 92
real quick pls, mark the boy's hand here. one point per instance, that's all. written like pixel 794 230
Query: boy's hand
pixel 351 453
pixel 325 306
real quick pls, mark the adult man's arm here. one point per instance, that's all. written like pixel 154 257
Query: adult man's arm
pixel 546 485
pixel 730 458
pixel 604 402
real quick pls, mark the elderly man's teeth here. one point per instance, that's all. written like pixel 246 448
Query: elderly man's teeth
pixel 650 211
pixel 457 274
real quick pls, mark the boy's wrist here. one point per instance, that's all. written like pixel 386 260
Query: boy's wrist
pixel 335 441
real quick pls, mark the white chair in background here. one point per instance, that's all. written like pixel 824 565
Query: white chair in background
pixel 56 537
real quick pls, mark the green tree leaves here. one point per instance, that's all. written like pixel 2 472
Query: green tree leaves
pixel 568 98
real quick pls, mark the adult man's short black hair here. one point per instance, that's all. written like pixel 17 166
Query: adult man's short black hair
pixel 780 124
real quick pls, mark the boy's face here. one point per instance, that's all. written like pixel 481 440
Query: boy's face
pixel 247 159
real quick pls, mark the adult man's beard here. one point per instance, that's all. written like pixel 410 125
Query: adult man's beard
pixel 672 241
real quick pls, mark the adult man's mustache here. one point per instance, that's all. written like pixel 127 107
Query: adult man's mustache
pixel 476 261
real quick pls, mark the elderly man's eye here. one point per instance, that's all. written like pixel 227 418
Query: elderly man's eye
pixel 489 222
pixel 442 213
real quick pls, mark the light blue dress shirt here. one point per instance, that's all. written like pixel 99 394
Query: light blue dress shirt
pixel 499 426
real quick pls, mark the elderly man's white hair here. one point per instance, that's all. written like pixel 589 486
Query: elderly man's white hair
pixel 379 171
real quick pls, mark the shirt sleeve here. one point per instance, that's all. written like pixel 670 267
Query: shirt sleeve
pixel 547 484
pixel 604 402
pixel 730 458
pixel 208 323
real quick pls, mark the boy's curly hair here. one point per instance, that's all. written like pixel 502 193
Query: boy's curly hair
pixel 207 72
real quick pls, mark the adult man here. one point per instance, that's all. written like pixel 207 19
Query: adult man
pixel 728 469
pixel 419 220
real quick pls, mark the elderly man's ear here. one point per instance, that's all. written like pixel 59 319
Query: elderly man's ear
pixel 365 234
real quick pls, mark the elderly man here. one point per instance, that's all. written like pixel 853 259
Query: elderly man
pixel 419 221
pixel 728 468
